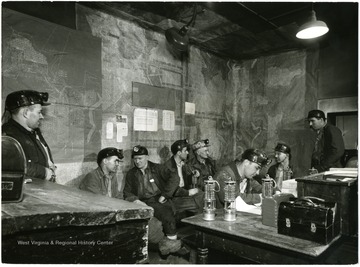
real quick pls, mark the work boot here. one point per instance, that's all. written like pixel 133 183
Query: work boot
pixel 167 246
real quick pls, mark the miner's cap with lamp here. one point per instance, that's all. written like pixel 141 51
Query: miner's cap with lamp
pixel 284 148
pixel 139 151
pixel 179 145
pixel 256 156
pixel 316 114
pixel 200 144
pixel 108 152
pixel 25 98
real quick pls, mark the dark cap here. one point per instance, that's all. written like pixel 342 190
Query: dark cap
pixel 108 152
pixel 256 156
pixel 139 150
pixel 25 98
pixel 200 144
pixel 179 145
pixel 284 148
pixel 316 114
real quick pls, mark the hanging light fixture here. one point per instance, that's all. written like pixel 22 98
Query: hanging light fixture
pixel 178 39
pixel 312 29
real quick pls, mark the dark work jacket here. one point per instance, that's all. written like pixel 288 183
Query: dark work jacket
pixel 332 149
pixel 134 179
pixel 273 168
pixel 230 173
pixel 171 180
pixel 35 154
pixel 205 170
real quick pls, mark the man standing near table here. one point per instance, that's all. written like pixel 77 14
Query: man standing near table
pixel 23 115
pixel 329 144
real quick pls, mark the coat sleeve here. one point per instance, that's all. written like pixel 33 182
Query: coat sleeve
pixel 253 195
pixel 171 182
pixel 129 187
pixel 91 184
pixel 333 149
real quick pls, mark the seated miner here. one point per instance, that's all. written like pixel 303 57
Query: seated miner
pixel 176 187
pixel 22 119
pixel 143 186
pixel 242 172
pixel 281 171
pixel 201 165
pixel 103 179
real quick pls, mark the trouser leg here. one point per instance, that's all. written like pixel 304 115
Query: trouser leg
pixel 191 203
pixel 165 214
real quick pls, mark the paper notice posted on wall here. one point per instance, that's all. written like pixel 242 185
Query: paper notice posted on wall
pixel 242 206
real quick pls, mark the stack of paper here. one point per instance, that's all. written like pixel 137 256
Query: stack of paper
pixel 289 186
pixel 341 174
pixel 242 206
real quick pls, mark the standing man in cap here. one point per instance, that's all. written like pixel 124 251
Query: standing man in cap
pixel 329 144
pixel 144 186
pixel 201 166
pixel 281 171
pixel 176 186
pixel 103 180
pixel 242 172
pixel 24 109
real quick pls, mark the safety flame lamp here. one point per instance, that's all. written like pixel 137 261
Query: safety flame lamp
pixel 209 199
pixel 229 201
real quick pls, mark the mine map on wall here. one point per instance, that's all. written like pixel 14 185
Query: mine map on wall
pixel 42 56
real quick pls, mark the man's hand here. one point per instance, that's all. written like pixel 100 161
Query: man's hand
pixel 195 173
pixel 162 199
pixel 193 191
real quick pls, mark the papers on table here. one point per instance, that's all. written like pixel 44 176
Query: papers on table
pixel 342 172
pixel 290 187
pixel 242 206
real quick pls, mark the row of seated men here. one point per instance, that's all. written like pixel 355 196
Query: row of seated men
pixel 171 188
pixel 178 185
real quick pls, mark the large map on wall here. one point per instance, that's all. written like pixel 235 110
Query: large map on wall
pixel 46 57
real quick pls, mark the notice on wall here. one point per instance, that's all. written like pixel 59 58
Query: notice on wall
pixel 189 108
pixel 145 120
pixel 109 130
pixel 121 127
pixel 168 120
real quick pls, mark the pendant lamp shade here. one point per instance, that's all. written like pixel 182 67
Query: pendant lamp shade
pixel 312 29
pixel 178 39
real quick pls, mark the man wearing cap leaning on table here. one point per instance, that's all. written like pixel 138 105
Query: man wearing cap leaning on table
pixel 103 180
pixel 21 120
pixel 242 172
pixel 143 186
pixel 329 144
pixel 281 171
pixel 201 166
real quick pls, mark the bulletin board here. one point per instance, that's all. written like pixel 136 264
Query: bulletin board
pixel 167 104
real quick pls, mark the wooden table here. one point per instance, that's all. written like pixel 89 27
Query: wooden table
pixel 342 192
pixel 248 238
pixel 59 224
